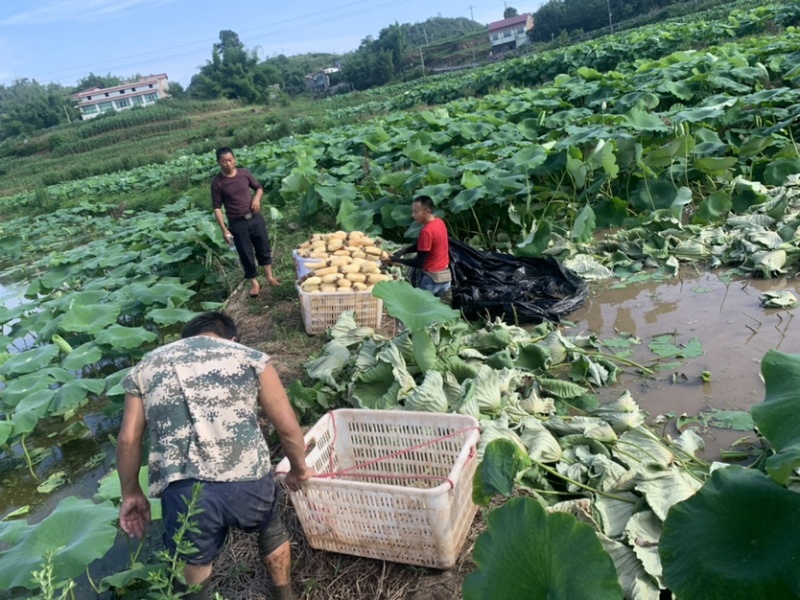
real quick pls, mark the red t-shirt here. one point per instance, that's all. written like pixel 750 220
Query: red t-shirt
pixel 433 240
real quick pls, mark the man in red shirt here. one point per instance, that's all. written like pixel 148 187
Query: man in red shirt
pixel 246 228
pixel 432 262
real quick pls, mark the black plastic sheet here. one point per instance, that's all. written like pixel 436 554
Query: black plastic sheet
pixel 518 290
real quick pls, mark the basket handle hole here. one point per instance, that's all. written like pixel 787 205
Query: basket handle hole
pixel 310 446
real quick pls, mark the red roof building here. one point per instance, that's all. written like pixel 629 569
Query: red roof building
pixel 511 33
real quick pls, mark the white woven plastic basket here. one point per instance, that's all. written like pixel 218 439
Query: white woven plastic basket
pixel 402 489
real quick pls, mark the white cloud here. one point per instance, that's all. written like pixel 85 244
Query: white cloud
pixel 76 10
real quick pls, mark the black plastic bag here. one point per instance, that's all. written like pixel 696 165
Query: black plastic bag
pixel 518 290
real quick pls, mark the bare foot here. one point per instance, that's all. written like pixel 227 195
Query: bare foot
pixel 273 281
pixel 255 290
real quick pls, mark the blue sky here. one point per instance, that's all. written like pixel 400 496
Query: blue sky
pixel 63 40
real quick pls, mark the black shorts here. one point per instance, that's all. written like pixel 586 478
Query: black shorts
pixel 252 506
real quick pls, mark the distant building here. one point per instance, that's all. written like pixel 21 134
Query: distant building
pixel 511 33
pixel 321 80
pixel 142 92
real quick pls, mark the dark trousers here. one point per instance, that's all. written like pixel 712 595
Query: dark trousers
pixel 252 243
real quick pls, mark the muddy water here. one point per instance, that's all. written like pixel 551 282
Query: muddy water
pixel 727 318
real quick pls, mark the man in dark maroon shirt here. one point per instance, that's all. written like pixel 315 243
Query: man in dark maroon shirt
pixel 246 228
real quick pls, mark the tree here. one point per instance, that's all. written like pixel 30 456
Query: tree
pixel 233 73
pixel 99 81
pixel 176 91
pixel 509 12
pixel 27 106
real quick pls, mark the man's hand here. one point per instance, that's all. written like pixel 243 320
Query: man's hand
pixel 295 477
pixel 387 260
pixel 255 205
pixel 228 237
pixel 134 515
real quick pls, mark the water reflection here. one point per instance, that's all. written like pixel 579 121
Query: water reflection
pixel 727 318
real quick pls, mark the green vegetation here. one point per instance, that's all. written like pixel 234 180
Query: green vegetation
pixel 680 138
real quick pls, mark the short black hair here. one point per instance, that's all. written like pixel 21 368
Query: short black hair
pixel 222 151
pixel 425 201
pixel 211 322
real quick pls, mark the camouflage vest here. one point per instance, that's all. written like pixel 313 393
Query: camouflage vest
pixel 200 396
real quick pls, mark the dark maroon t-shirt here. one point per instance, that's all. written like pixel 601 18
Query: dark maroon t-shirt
pixel 234 192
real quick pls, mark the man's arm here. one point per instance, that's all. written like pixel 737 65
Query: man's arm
pixel 275 402
pixel 255 206
pixel 226 235
pixel 417 262
pixel 134 512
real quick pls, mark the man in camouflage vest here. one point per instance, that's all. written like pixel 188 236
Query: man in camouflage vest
pixel 197 397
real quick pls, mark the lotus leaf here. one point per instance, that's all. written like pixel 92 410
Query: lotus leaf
pixel 429 396
pixel 736 538
pixel 634 580
pixel 74 394
pixel 90 319
pixel 502 462
pixel 416 309
pixel 125 338
pixel 567 562
pixel 775 416
pixel 30 360
pixel 82 356
pixel 170 316
pixel 76 533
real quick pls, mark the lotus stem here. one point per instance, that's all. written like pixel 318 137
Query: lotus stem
pixel 614 358
pixel 27 458
pixel 588 488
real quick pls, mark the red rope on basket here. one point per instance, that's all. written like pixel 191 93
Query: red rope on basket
pixel 348 472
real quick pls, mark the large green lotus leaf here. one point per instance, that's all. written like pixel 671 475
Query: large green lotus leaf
pixel 84 298
pixel 123 579
pixel 85 354
pixel 355 216
pixel 77 532
pixel 75 394
pixel 643 532
pixel 640 120
pixel 90 319
pixel 614 514
pixel 30 360
pixel 171 316
pixel 776 416
pixel 125 338
pixel 640 446
pixel 542 445
pixel 58 276
pixel 6 427
pixel 334 358
pixel 428 396
pixel 9 314
pixel 738 538
pixel 165 292
pixel 30 409
pixel 417 309
pixel 778 170
pixel 635 582
pixel 528 554
pixel 10 245
pixel 502 462
pixel 114 383
pixel 376 388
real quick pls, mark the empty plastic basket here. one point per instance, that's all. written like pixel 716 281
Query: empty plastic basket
pixel 391 485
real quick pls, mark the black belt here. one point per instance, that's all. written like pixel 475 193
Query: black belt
pixel 246 217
